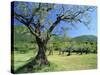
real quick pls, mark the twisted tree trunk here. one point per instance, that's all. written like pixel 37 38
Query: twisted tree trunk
pixel 41 55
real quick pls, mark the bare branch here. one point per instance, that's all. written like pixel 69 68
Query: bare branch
pixel 20 18
pixel 54 24
pixel 27 24
pixel 33 32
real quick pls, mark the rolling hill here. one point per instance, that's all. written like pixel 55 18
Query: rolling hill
pixel 82 38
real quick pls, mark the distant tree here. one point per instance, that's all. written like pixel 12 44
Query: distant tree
pixel 50 49
pixel 64 31
pixel 42 18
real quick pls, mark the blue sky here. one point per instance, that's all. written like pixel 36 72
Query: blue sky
pixel 81 29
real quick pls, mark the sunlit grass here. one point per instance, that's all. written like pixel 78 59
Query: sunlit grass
pixel 59 62
pixel 74 62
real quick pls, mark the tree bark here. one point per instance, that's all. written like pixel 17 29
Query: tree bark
pixel 41 55
pixel 69 53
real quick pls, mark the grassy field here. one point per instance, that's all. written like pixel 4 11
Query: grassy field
pixel 60 62
pixel 74 62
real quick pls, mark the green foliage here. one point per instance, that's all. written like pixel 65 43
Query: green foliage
pixel 23 40
pixel 21 34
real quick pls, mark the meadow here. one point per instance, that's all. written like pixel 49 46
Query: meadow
pixel 44 37
pixel 83 53
pixel 59 62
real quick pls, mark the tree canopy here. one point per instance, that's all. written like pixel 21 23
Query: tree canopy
pixel 42 18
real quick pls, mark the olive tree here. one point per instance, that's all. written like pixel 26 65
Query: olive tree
pixel 41 19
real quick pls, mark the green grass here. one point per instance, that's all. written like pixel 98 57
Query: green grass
pixel 21 59
pixel 74 62
pixel 59 62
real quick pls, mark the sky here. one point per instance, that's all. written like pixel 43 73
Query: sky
pixel 83 30
pixel 80 28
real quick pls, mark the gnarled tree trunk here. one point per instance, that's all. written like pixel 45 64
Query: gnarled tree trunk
pixel 40 58
pixel 41 55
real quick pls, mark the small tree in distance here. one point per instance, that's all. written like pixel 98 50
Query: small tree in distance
pixel 42 18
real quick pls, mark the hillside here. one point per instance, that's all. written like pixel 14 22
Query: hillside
pixel 82 38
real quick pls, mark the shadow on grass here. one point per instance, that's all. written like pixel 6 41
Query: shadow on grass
pixel 32 67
